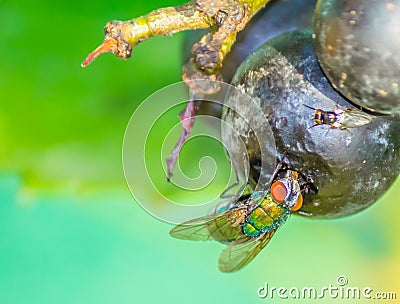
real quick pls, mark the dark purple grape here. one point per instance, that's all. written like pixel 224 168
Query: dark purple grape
pixel 358 45
pixel 350 168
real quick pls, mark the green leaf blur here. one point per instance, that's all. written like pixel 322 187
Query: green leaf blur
pixel 70 230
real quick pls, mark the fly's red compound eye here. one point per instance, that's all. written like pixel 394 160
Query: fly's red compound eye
pixel 298 203
pixel 278 191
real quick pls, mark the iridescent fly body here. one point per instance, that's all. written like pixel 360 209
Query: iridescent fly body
pixel 247 225
pixel 340 118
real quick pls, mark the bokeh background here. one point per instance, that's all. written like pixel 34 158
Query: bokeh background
pixel 70 231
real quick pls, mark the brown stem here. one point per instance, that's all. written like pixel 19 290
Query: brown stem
pixel 224 17
pixel 122 36
pixel 187 117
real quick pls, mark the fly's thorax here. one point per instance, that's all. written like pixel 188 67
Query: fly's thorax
pixel 271 209
pixel 330 117
pixel 267 216
pixel 263 217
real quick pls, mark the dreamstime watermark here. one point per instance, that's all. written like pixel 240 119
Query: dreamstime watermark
pixel 339 290
pixel 142 150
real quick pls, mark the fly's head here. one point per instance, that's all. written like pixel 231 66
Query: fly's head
pixel 287 191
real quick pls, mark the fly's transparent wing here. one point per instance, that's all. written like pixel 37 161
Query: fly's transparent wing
pixel 246 199
pixel 223 227
pixel 239 253
pixel 230 204
pixel 354 119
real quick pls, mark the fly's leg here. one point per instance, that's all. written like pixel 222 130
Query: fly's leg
pixel 245 188
pixel 342 128
pixel 304 213
pixel 277 168
pixel 307 185
pixel 329 129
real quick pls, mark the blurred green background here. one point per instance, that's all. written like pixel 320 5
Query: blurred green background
pixel 70 230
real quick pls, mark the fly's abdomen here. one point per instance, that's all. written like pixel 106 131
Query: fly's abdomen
pixel 267 216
